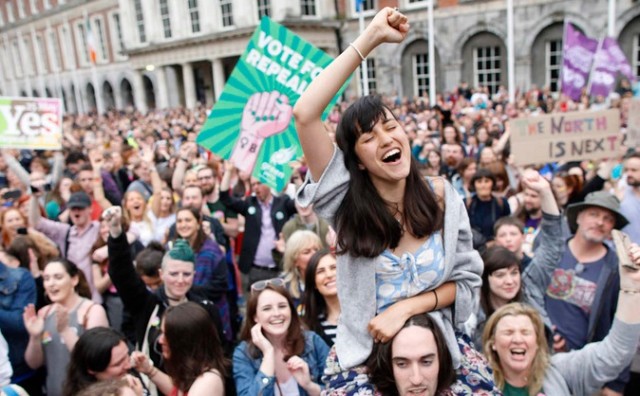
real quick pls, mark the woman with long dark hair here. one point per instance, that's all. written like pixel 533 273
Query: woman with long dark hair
pixel 192 352
pixel 322 307
pixel 210 264
pixel 55 329
pixel 403 243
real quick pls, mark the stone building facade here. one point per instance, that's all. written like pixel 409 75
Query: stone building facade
pixel 166 53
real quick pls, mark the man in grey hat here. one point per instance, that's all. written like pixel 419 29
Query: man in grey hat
pixel 582 297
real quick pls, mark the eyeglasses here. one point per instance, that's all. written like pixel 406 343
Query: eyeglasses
pixel 205 177
pixel 261 285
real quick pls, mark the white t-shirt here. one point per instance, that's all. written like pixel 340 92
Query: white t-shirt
pixel 5 366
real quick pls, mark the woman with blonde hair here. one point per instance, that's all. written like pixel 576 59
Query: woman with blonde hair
pixel 299 248
pixel 515 344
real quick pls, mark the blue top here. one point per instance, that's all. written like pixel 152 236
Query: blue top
pixel 250 381
pixel 398 278
pixel 17 290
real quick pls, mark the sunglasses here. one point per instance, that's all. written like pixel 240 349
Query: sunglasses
pixel 261 285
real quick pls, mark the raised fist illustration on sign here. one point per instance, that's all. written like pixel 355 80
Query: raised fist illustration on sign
pixel 265 114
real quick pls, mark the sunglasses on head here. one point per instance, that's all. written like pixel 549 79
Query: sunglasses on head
pixel 261 285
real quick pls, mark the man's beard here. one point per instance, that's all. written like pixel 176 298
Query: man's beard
pixel 633 183
pixel 207 190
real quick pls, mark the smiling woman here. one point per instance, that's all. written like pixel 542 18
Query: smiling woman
pixel 54 330
pixel 276 353
pixel 515 345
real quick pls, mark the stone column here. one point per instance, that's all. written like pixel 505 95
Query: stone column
pixel 139 96
pixel 189 86
pixel 218 77
pixel 162 95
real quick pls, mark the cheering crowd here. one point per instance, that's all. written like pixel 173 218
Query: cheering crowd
pixel 408 255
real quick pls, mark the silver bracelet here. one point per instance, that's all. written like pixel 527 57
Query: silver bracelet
pixel 358 51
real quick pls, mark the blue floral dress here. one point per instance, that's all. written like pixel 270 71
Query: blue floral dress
pixel 398 278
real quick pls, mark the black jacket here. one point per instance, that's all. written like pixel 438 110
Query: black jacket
pixel 141 302
pixel 282 209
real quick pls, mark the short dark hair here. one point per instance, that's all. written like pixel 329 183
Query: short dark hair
pixel 508 221
pixel 380 362
pixel 149 260
pixel 481 173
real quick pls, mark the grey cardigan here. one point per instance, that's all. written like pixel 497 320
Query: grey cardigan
pixel 587 370
pixel 356 276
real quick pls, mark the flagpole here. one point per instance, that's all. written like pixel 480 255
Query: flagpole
pixel 564 54
pixel 363 65
pixel 511 54
pixel 611 25
pixel 432 57
pixel 94 75
pixel 594 64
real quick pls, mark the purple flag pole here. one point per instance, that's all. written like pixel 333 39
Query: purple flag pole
pixel 578 53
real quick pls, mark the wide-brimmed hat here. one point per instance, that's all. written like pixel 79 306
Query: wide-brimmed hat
pixel 600 199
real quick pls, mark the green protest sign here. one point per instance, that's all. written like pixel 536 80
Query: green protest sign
pixel 31 123
pixel 252 123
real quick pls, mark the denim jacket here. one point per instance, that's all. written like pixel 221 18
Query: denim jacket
pixel 250 381
pixel 17 290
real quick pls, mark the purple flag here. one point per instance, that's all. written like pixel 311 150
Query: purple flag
pixel 608 62
pixel 578 51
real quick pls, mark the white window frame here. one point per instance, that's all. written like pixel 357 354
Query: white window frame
pixel 493 85
pixel 415 62
pixel 264 8
pixel 371 75
pixel 5 58
pixel 193 8
pixel 21 13
pixel 116 35
pixel 309 3
pixel 165 19
pixel 47 4
pixel 1 18
pixel 53 46
pixel 548 67
pixel 417 4
pixel 367 13
pixel 64 37
pixel 224 15
pixel 33 6
pixel 10 12
pixel 41 47
pixel 138 15
pixel 100 38
pixel 28 61
pixel 17 58
pixel 82 46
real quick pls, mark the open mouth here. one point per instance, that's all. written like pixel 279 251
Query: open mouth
pixel 518 353
pixel 276 322
pixel 392 156
pixel 418 391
